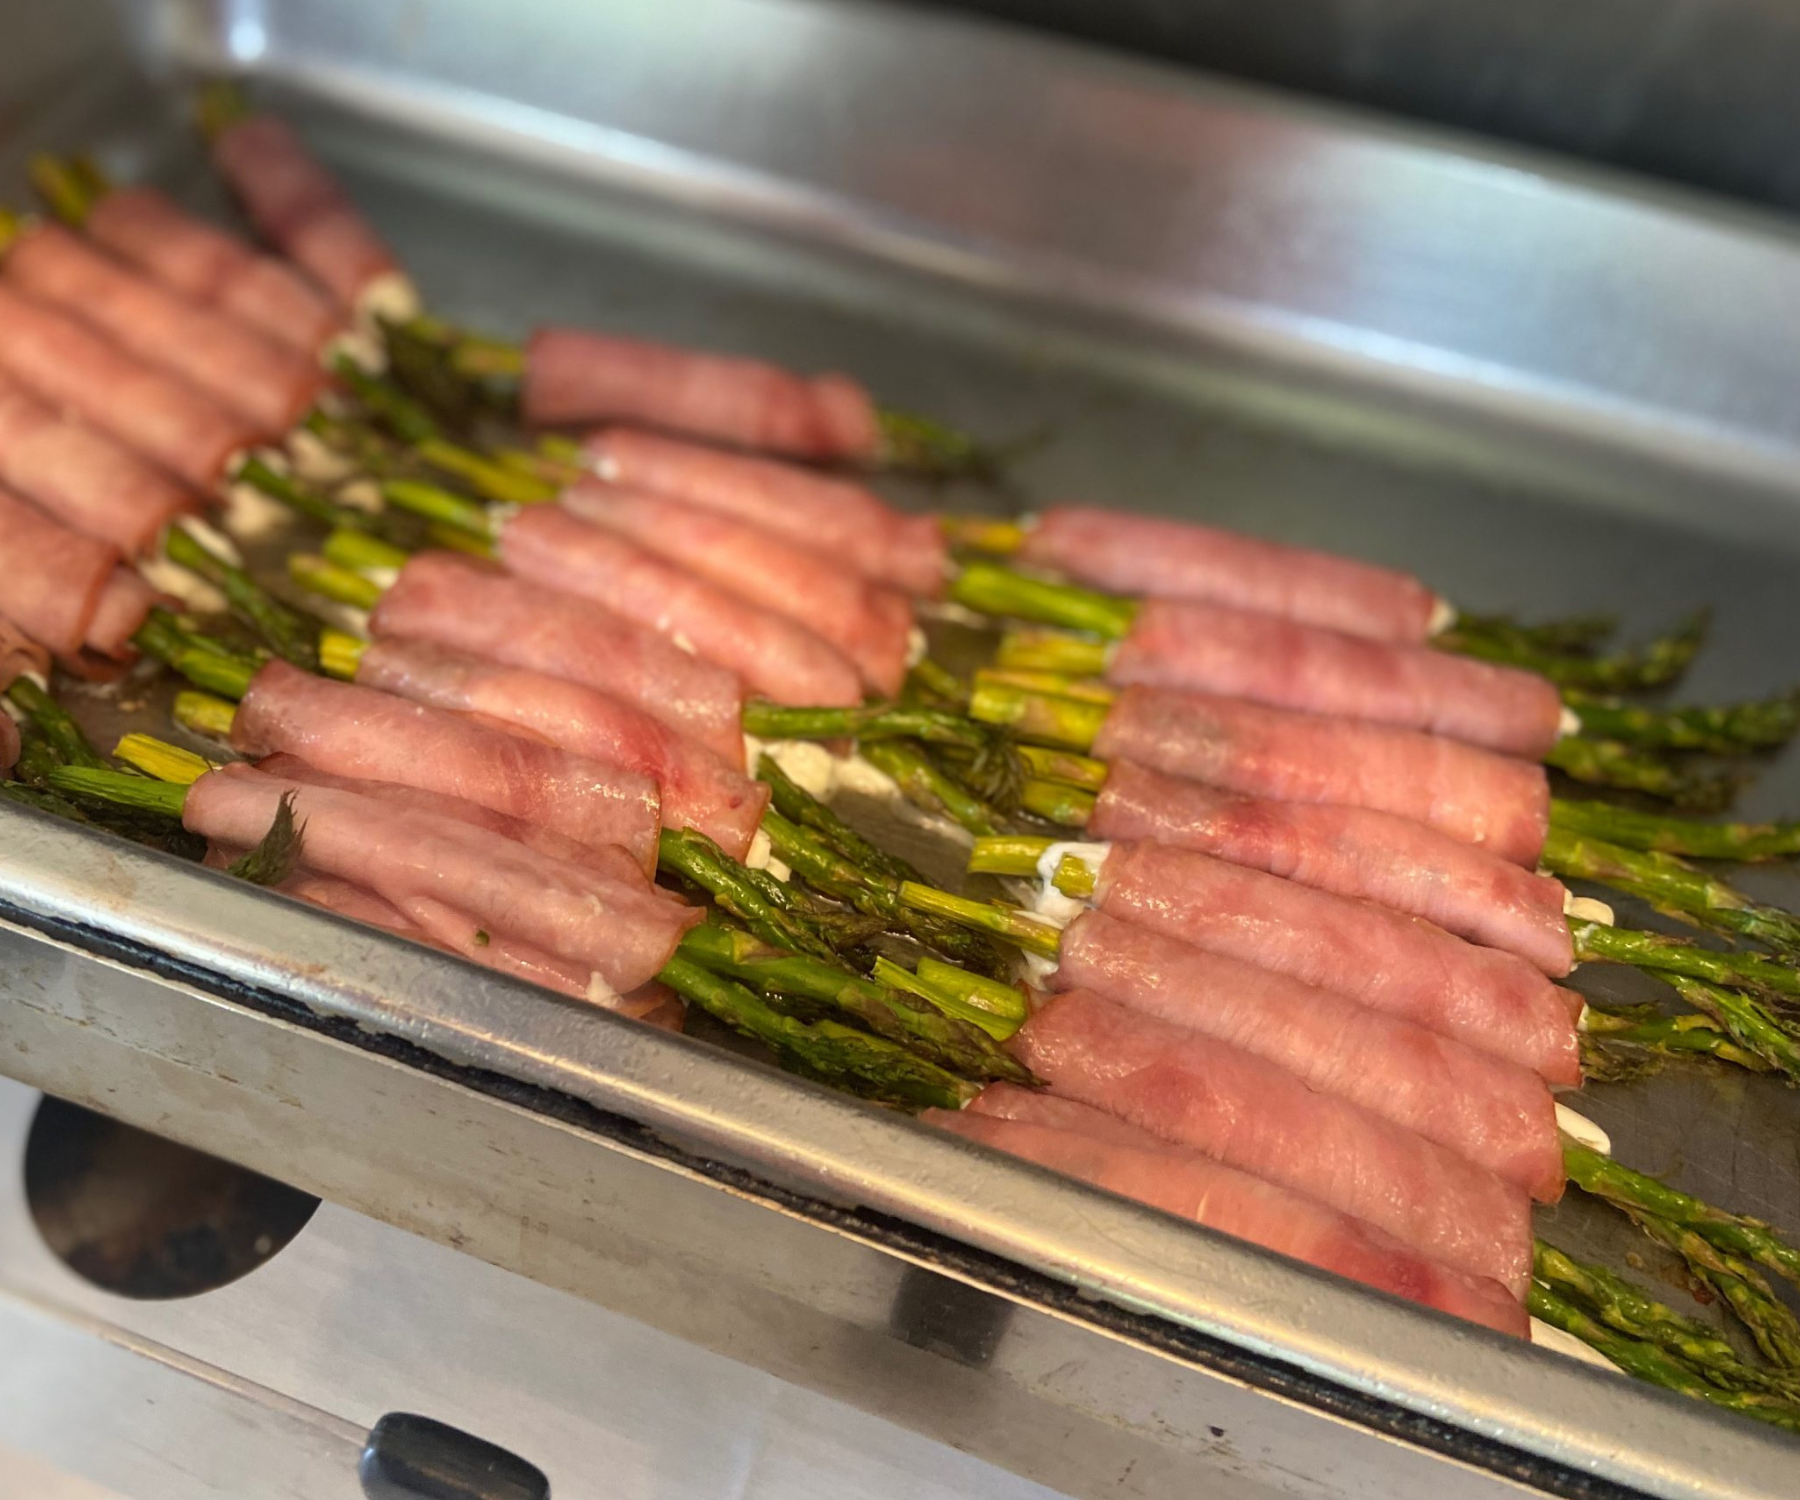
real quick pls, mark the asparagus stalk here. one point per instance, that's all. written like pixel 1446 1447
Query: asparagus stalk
pixel 1611 763
pixel 1665 834
pixel 60 732
pixel 1651 1363
pixel 1595 943
pixel 1770 1321
pixel 900 1015
pixel 1061 722
pixel 1000 538
pixel 1057 684
pixel 1004 922
pixel 1620 1045
pixel 924 785
pixel 1671 886
pixel 994 590
pixel 292 635
pixel 692 855
pixel 1578 635
pixel 1052 651
pixel 1055 802
pixel 1652 666
pixel 305 500
pixel 203 664
pixel 1731 729
pixel 864 723
pixel 1637 1194
pixel 1081 772
pixel 1749 1022
pixel 825 1050
pixel 996 1008
pixel 799 806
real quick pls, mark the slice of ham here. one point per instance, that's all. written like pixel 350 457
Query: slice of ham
pixel 52 580
pixel 573 376
pixel 299 208
pixel 1096 1148
pixel 549 546
pixel 423 865
pixel 1241 653
pixel 546 841
pixel 474 607
pixel 202 262
pixel 698 788
pixel 356 731
pixel 869 623
pixel 82 477
pixel 1258 1117
pixel 1493 801
pixel 1490 1112
pixel 66 364
pixel 834 515
pixel 124 602
pixel 264 382
pixel 1349 851
pixel 1132 554
pixel 652 1002
pixel 1493 1001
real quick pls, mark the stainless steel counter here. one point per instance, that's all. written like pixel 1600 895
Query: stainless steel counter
pixel 1537 390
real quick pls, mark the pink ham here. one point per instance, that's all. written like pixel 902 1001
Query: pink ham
pixel 1238 653
pixel 424 866
pixel 159 418
pixel 1490 1112
pixel 356 731
pixel 52 580
pixel 1258 1117
pixel 535 836
pixel 1096 1148
pixel 1181 560
pixel 1350 851
pixel 698 789
pixel 554 549
pixel 299 208
pixel 475 608
pixel 83 478
pixel 215 269
pixel 817 510
pixel 869 623
pixel 262 381
pixel 1493 801
pixel 124 602
pixel 1492 1001
pixel 572 376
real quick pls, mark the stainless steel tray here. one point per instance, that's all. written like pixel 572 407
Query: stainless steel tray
pixel 1539 390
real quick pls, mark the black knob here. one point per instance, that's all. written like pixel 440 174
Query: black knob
pixel 409 1457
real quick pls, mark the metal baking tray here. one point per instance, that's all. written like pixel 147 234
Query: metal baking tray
pixel 1540 389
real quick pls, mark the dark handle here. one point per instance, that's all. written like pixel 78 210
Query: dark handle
pixel 409 1457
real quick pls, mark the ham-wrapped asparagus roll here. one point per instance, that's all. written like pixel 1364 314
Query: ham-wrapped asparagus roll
pixel 1238 653
pixel 1097 1148
pixel 298 207
pixel 870 624
pixel 1181 560
pixel 356 731
pixel 1349 851
pixel 832 514
pixel 64 589
pixel 264 382
pixel 1492 801
pixel 575 377
pixel 698 789
pixel 157 416
pixel 82 477
pixel 1492 1001
pixel 208 266
pixel 1258 1117
pixel 782 660
pixel 472 607
pixel 438 872
pixel 1494 1113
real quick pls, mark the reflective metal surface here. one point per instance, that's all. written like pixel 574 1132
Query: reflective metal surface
pixel 1220 308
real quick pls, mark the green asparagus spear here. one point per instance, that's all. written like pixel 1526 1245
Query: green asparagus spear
pixel 1596 943
pixel 1004 922
pixel 1578 635
pixel 692 855
pixel 926 786
pixel 1652 666
pixel 798 805
pixel 1750 1023
pixel 304 500
pixel 162 637
pixel 51 720
pixel 292 635
pixel 827 1051
pixel 1732 1234
pixel 869 721
pixel 1667 834
pixel 928 449
pixel 1650 1363
pixel 1610 763
pixel 899 1016
pixel 994 590
pixel 1732 729
pixel 1671 886
pixel 1620 1045
pixel 1770 1321
pixel 1042 717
